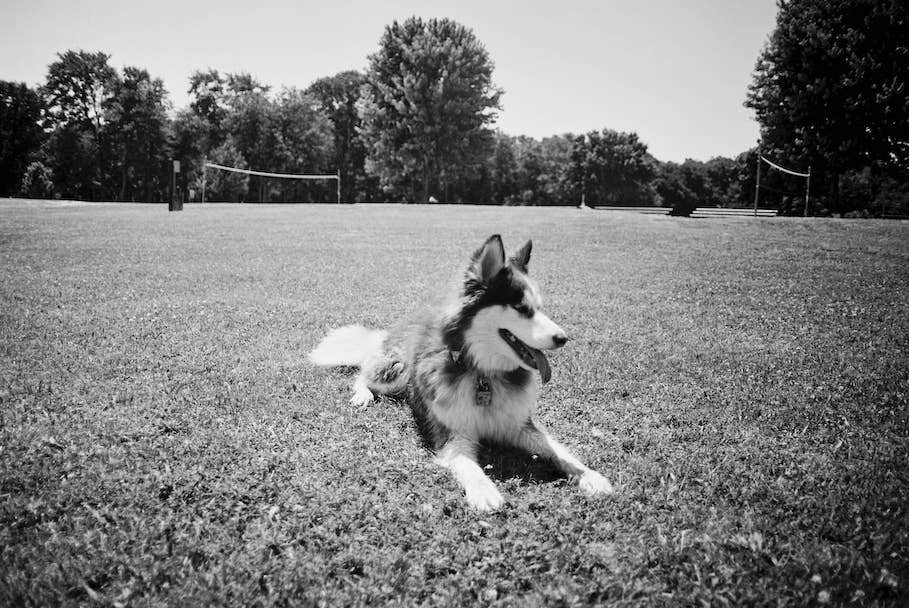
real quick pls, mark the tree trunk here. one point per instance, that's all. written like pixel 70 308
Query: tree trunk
pixel 837 208
pixel 875 187
pixel 146 177
pixel 123 176
pixel 425 180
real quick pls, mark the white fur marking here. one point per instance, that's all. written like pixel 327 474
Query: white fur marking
pixel 456 408
pixel 532 294
pixel 491 353
pixel 594 484
pixel 361 393
pixel 459 456
pixel 349 345
pixel 484 344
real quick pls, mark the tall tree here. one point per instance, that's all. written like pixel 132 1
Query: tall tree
pixel 284 133
pixel 338 97
pixel 21 134
pixel 78 90
pixel 190 143
pixel 208 101
pixel 427 105
pixel 249 126
pixel 213 96
pixel 228 118
pixel 304 142
pixel 612 168
pixel 137 132
pixel 503 169
pixel 830 86
pixel 79 85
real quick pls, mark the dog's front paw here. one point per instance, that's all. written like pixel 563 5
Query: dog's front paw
pixel 484 497
pixel 361 396
pixel 594 484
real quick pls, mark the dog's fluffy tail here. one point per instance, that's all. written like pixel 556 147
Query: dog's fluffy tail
pixel 351 345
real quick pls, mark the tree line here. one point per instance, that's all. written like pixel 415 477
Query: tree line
pixel 418 125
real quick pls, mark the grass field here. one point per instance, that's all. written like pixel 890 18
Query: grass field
pixel 163 441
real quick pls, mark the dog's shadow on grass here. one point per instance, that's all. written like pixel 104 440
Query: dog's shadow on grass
pixel 504 462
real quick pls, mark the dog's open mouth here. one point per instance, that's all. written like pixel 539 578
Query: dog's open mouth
pixel 529 355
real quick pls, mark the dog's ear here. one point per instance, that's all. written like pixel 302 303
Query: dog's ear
pixel 489 259
pixel 522 256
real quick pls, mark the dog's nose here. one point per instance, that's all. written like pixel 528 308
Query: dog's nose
pixel 559 340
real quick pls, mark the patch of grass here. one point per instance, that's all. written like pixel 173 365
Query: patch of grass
pixel 163 440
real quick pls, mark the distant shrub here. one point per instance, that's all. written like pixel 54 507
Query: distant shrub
pixel 38 181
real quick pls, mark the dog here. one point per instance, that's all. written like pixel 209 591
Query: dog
pixel 466 369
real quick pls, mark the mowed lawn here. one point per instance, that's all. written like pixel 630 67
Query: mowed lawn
pixel 163 440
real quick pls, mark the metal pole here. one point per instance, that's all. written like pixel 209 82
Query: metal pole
pixel 757 183
pixel 339 186
pixel 807 190
pixel 173 187
pixel 204 167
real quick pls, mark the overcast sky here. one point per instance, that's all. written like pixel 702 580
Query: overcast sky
pixel 673 71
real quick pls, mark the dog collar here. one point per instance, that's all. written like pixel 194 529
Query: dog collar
pixel 482 388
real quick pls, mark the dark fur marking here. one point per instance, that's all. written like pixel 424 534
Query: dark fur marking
pixel 434 436
pixel 525 311
pixel 505 289
pixel 517 377
pixel 390 371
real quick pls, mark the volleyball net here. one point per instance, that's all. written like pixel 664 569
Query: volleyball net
pixel 266 174
pixel 758 186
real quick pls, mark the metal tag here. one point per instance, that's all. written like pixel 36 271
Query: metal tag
pixel 483 392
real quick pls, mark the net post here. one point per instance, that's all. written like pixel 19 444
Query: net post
pixel 204 174
pixel 757 182
pixel 807 190
pixel 339 186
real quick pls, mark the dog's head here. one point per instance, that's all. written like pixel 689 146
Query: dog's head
pixel 498 322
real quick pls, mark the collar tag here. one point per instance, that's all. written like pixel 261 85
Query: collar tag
pixel 483 391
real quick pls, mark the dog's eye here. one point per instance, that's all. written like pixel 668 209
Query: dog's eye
pixel 523 309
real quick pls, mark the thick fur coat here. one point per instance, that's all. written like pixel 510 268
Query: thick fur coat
pixel 466 369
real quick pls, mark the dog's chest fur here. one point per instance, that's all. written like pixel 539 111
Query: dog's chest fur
pixel 449 397
pixel 470 404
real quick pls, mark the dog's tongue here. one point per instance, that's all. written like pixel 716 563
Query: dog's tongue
pixel 542 364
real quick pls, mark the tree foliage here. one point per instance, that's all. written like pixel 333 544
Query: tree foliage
pixel 235 120
pixel 719 182
pixel 137 130
pixel 427 105
pixel 338 97
pixel 830 88
pixel 77 94
pixel 829 91
pixel 611 168
pixel 224 185
pixel 38 181
pixel 78 88
pixel 108 133
pixel 21 134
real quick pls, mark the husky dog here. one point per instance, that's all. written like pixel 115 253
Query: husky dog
pixel 466 370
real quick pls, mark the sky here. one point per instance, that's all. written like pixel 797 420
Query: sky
pixel 675 72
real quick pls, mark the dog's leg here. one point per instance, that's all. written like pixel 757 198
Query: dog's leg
pixel 381 375
pixel 537 441
pixel 361 393
pixel 460 457
pixel 386 376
